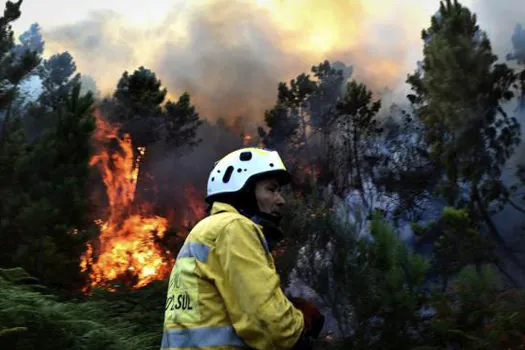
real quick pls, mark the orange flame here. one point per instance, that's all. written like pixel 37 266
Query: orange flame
pixel 128 249
pixel 246 140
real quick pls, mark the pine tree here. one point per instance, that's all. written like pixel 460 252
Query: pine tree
pixel 283 128
pixel 331 79
pixel 355 121
pixel 58 79
pixel 372 287
pixel 303 117
pixel 294 98
pixel 14 67
pixel 458 96
pixel 140 94
pixel 182 122
pixel 13 192
pixel 51 226
pixel 457 243
pixel 136 105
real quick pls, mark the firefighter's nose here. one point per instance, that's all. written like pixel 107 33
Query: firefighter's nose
pixel 280 200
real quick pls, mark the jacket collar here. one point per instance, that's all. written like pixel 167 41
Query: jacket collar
pixel 271 230
pixel 219 207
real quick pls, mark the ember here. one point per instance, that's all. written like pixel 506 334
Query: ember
pixel 247 140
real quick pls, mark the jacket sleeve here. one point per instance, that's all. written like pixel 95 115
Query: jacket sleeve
pixel 260 312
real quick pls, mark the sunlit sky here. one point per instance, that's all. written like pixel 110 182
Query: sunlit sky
pixel 242 48
pixel 52 13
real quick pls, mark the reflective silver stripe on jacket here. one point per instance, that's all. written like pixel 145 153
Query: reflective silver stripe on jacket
pixel 194 250
pixel 199 337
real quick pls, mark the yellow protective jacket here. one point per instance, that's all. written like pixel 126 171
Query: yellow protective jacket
pixel 224 291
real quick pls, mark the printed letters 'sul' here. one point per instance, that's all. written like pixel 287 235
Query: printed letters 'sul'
pixel 183 302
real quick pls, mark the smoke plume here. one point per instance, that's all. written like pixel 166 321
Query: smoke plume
pixel 230 55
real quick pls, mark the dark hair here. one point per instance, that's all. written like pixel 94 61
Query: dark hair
pixel 243 200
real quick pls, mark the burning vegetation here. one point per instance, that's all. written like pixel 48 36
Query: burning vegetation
pixel 127 251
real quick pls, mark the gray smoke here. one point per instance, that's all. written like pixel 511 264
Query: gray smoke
pixel 175 171
pixel 226 74
pixel 229 74
pixel 231 55
pixel 498 19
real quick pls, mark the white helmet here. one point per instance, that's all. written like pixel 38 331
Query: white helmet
pixel 232 172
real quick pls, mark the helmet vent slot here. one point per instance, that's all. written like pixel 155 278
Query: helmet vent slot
pixel 245 156
pixel 227 175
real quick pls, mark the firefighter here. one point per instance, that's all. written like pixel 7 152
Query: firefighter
pixel 224 291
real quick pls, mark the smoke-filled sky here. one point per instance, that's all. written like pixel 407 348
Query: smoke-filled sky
pixel 231 54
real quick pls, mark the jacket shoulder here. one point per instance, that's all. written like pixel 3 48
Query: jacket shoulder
pixel 224 219
pixel 211 226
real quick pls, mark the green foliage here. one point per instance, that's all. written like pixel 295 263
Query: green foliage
pixel 182 122
pixel 305 222
pixel 379 291
pixel 476 313
pixel 14 148
pixel 58 80
pixel 48 226
pixel 15 65
pixel 140 94
pixel 19 276
pixel 331 79
pixel 289 117
pixel 29 319
pixel 296 94
pixel 357 104
pixel 137 106
pixel 457 242
pixel 388 296
pixel 305 106
pixel 373 288
pixel 11 69
pixel 283 127
pixel 458 96
pixel 355 122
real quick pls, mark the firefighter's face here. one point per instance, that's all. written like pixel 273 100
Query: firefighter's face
pixel 269 198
